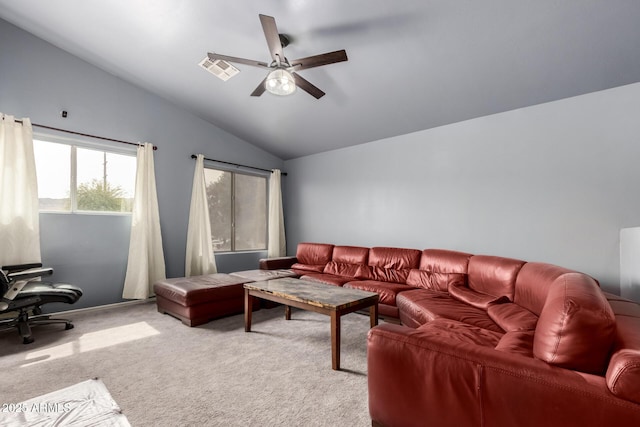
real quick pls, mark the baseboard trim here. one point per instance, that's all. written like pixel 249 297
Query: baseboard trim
pixel 103 307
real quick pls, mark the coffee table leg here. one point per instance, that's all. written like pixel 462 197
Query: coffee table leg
pixel 335 341
pixel 248 310
pixel 287 312
pixel 373 315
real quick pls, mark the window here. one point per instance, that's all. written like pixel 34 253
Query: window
pixel 237 210
pixel 78 179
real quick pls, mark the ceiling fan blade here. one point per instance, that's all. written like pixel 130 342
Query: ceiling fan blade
pixel 273 39
pixel 318 60
pixel 214 56
pixel 260 89
pixel 304 84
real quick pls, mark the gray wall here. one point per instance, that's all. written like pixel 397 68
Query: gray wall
pixel 553 183
pixel 38 80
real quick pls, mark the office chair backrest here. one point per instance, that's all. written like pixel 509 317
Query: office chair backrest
pixel 4 283
pixel 4 287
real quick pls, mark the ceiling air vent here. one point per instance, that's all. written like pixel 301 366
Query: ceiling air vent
pixel 219 68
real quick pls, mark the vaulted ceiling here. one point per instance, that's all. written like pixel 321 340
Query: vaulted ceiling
pixel 413 64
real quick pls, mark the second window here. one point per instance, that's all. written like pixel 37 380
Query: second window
pixel 237 210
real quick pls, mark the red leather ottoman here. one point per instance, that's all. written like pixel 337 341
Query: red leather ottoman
pixel 198 299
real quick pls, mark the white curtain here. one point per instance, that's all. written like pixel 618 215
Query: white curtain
pixel 146 258
pixel 277 243
pixel 19 218
pixel 199 258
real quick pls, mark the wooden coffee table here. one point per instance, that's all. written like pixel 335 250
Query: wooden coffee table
pixel 331 300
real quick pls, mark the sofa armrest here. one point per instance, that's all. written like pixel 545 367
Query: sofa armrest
pixel 416 377
pixel 277 263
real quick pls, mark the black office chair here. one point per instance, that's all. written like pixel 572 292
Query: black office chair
pixel 22 294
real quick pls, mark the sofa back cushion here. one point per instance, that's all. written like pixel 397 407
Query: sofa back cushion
pixel 493 275
pixel 576 327
pixel 473 298
pixel 623 373
pixel 444 261
pixel 390 264
pixel 438 269
pixel 312 256
pixel 533 283
pixel 347 261
pixel 434 280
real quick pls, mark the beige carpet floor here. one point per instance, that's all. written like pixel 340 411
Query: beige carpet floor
pixel 162 373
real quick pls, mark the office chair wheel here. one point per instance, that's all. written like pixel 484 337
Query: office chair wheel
pixel 68 326
pixel 27 340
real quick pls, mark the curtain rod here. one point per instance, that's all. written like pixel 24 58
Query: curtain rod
pixel 193 156
pixel 86 134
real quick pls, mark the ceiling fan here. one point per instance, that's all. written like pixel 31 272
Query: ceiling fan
pixel 283 77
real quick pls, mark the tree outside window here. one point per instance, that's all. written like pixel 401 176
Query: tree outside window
pixel 105 180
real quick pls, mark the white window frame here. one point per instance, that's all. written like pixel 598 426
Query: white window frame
pixel 235 172
pixel 74 144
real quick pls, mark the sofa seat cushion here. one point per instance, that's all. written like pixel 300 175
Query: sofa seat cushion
pixel 302 269
pixel 512 317
pixel 329 279
pixel 517 342
pixel 577 327
pixel 388 311
pixel 624 308
pixel 453 330
pixel 260 275
pixel 420 306
pixel 388 291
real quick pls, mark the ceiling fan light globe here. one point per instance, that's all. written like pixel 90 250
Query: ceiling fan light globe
pixel 280 82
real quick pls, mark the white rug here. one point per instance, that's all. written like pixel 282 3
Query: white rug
pixel 85 404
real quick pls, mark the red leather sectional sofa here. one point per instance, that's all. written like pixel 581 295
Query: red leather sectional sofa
pixel 485 340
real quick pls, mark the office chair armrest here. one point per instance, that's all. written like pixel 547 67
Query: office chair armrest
pixel 30 273
pixel 21 267
pixel 13 283
pixel 13 289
